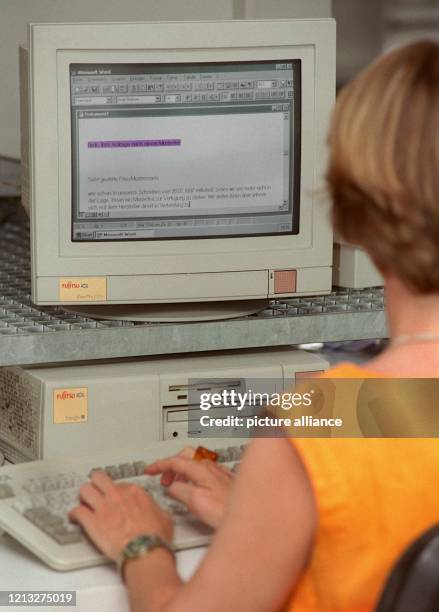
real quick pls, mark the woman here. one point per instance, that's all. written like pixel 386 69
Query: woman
pixel 317 524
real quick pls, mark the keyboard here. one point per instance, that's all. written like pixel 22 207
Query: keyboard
pixel 36 497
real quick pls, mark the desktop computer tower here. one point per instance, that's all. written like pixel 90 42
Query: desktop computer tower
pixel 75 410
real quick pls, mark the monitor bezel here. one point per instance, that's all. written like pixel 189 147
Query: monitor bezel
pixel 54 46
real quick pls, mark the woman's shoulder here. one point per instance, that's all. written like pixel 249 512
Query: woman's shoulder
pixel 351 370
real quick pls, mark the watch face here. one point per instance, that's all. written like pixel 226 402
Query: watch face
pixel 138 545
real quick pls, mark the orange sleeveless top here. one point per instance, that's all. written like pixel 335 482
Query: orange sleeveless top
pixel 374 496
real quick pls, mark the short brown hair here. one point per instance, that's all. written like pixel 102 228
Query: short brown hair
pixel 383 171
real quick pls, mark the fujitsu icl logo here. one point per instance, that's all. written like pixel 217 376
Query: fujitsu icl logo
pixel 72 285
pixel 66 395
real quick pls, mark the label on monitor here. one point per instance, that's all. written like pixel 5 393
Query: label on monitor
pixel 83 289
pixel 70 405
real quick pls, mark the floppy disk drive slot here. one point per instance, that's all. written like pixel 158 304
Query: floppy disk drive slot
pixel 194 413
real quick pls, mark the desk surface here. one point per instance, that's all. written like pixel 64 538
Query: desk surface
pixel 99 589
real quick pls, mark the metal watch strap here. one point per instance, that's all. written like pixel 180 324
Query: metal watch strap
pixel 141 546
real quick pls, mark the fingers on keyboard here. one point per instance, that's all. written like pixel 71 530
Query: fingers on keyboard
pixel 91 496
pixel 191 470
pixel 102 482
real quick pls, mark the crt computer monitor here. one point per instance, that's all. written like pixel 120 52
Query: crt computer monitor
pixel 177 164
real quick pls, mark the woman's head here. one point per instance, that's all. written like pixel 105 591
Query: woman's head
pixel 384 164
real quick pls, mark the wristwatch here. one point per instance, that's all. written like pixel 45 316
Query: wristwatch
pixel 141 546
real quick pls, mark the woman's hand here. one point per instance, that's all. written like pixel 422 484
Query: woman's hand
pixel 112 515
pixel 203 486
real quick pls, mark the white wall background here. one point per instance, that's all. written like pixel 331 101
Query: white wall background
pixel 278 9
pixel 360 25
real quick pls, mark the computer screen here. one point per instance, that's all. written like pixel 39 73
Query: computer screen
pixel 188 151
pixel 177 162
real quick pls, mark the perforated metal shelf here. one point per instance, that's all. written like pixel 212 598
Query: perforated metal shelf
pixel 31 334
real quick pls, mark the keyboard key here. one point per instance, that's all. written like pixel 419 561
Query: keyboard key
pixel 68 535
pixel 113 471
pixel 127 470
pixel 139 467
pixel 37 515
